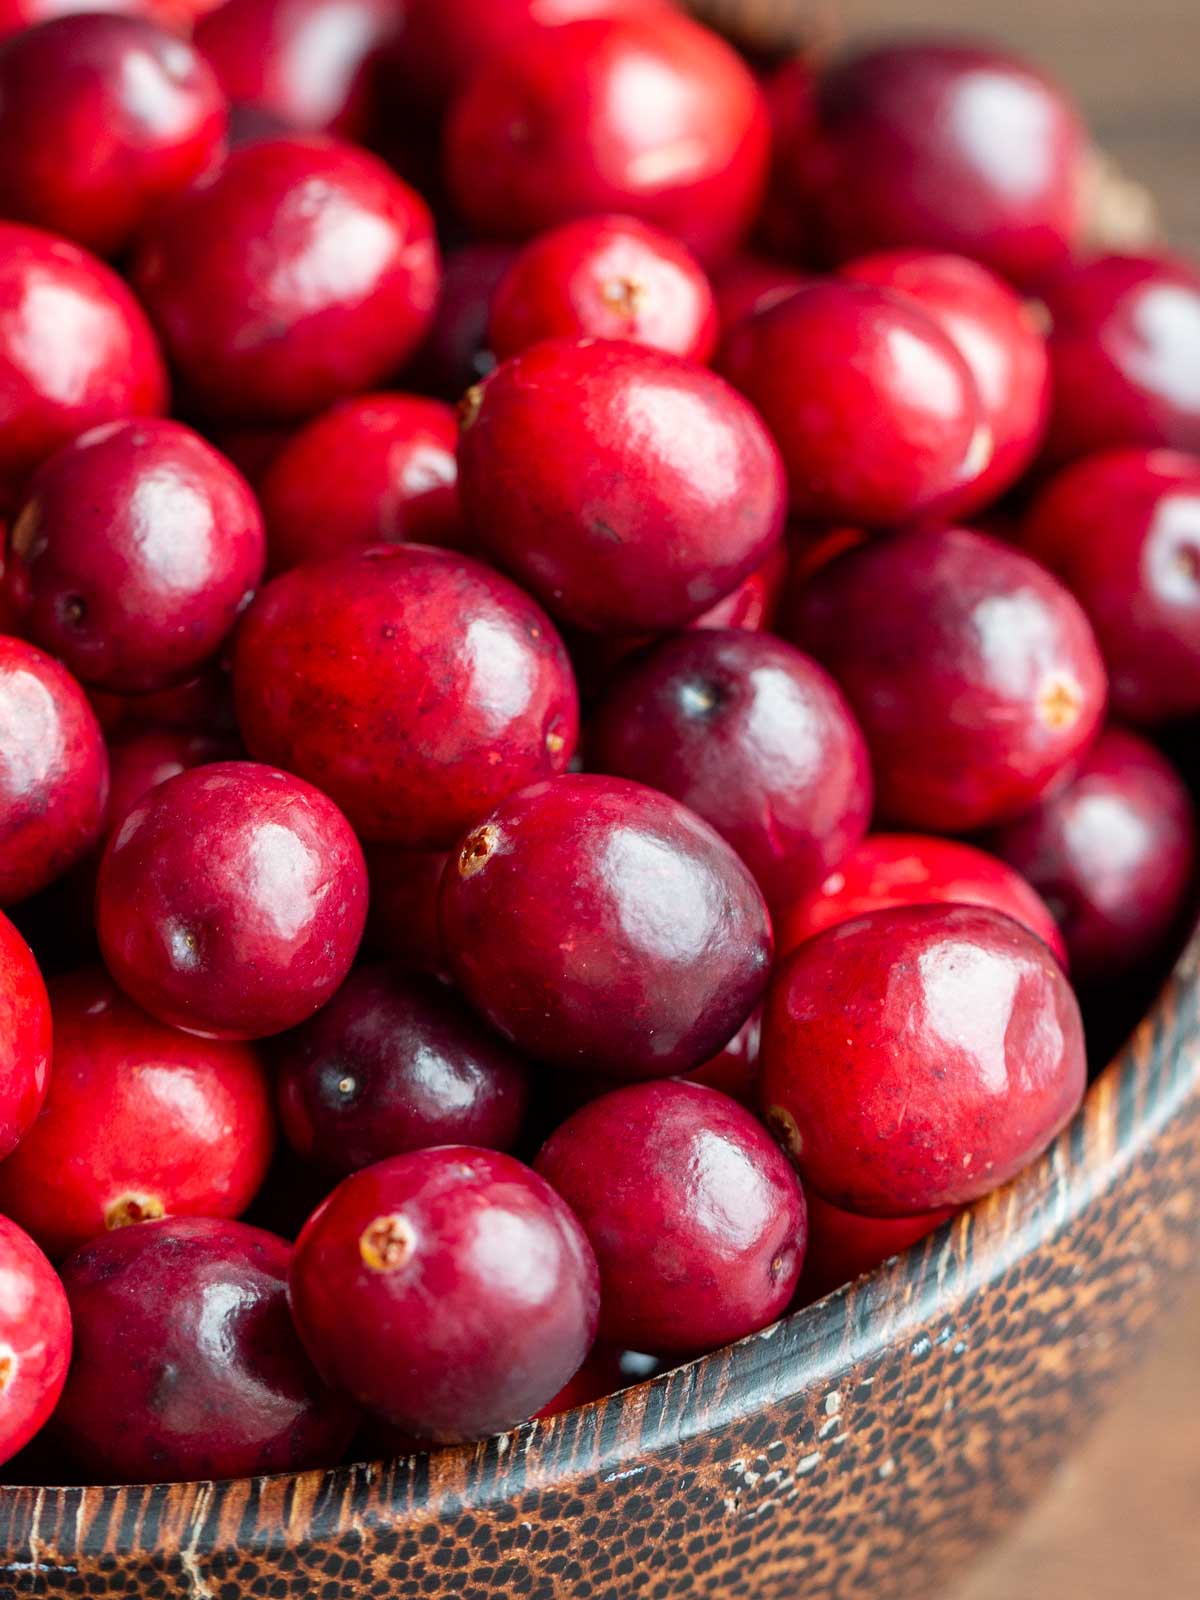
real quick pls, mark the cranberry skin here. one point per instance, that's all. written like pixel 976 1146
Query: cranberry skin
pixel 749 284
pixel 140 1121
pixel 837 362
pixel 843 1247
pixel 35 1335
pixel 300 271
pixel 378 469
pixel 231 901
pixel 455 683
pixel 53 771
pixel 24 1038
pixel 186 1363
pixel 18 15
pixel 603 927
pixel 142 758
pixel 402 917
pixel 752 736
pixel 974 674
pixel 455 354
pixel 450 1290
pixel 653 116
pixel 696 1218
pixel 1122 531
pixel 611 277
pixel 919 1057
pixel 734 1070
pixel 203 704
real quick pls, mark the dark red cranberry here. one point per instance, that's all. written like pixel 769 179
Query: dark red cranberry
pixel 140 1121
pixel 186 1362
pixel 606 1371
pixel 402 916
pixel 749 284
pixel 251 449
pixel 695 1216
pixel 455 354
pixel 24 1040
pixel 141 758
pixel 734 1070
pixel 605 928
pixel 203 704
pixel 974 674
pixel 843 1247
pixel 790 90
pixel 919 1057
pixel 628 489
pixel 450 1290
pixel 231 901
pixel 300 271
pixel 35 1338
pixel 650 115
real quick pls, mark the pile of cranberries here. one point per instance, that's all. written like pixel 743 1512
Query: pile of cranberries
pixel 491 892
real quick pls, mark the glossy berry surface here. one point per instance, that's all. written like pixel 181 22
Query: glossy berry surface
pixel 35 1335
pixel 605 928
pixel 919 1057
pixel 455 683
pixel 139 759
pixel 695 1215
pixel 402 908
pixel 454 354
pixel 734 1070
pixel 24 1037
pixel 843 1247
pixel 450 1290
pixel 231 901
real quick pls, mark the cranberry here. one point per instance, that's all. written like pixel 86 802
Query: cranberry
pixel 456 685
pixel 604 928
pixel 695 1216
pixel 628 489
pixel 919 1057
pixel 186 1363
pixel 749 284
pixel 843 1247
pixel 455 354
pixel 836 362
pixel 973 672
pixel 18 15
pixel 450 1290
pixel 402 919
pixel 1122 531
pixel 203 704
pixel 231 901
pixel 298 272
pixel 35 1337
pixel 755 738
pixel 251 449
pixel 651 115
pixel 142 758
pixel 394 1064
pixel 605 1372
pixel 24 1039
pixel 734 1070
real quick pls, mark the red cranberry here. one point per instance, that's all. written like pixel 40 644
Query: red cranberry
pixel 973 672
pixel 1122 531
pixel 231 901
pixel 300 271
pixel 24 1038
pixel 604 928
pixel 35 1337
pixel 790 90
pixel 628 489
pixel 734 1070
pixel 451 1290
pixel 755 738
pixel 606 1371
pixel 749 284
pixel 251 449
pixel 695 1216
pixel 186 1363
pixel 203 704
pixel 402 918
pixel 456 685
pixel 919 1057
pixel 142 758
pixel 455 354
pixel 843 1247
pixel 836 362
pixel 140 1121
pixel 651 115
pixel 17 15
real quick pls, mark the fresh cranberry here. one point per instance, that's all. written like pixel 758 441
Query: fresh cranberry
pixel 749 284
pixel 755 738
pixel 394 1064
pixel 1122 531
pixel 402 916
pixel 139 759
pixel 790 88
pixel 973 672
pixel 231 901
pixel 203 704
pixel 810 546
pixel 843 1247
pixel 186 1363
pixel 650 115
pixel 24 1038
pixel 835 363
pixel 300 271
pixel 35 1337
pixel 456 685
pixel 18 15
pixel 606 1371
pixel 605 928
pixel 695 1216
pixel 919 1057
pixel 734 1070
pixel 251 449
pixel 628 489
pixel 455 354
pixel 450 1290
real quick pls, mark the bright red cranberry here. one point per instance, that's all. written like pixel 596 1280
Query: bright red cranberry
pixel 835 363
pixel 300 271
pixel 628 489
pixel 378 469
pixel 402 916
pixel 450 1290
pixel 17 15
pixel 35 1338
pixel 605 928
pixel 231 901
pixel 140 1121
pixel 749 284
pixel 843 1247
pixel 140 759
pixel 612 278
pixel 695 1216
pixel 186 1362
pixel 455 683
pixel 53 771
pixel 734 1070
pixel 455 354
pixel 755 738
pixel 974 674
pixel 919 1057
pixel 1122 531
pixel 650 115
pixel 24 1038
